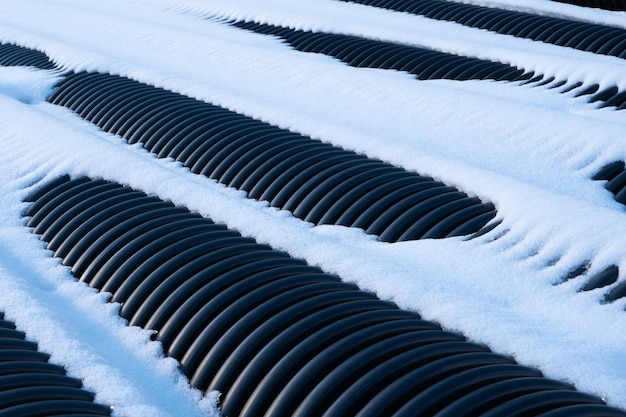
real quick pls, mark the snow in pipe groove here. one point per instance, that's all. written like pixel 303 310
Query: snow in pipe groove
pixel 615 175
pixel 30 386
pixel 616 5
pixel 277 336
pixel 13 55
pixel 361 52
pixel 602 279
pixel 356 51
pixel 426 64
pixel 583 36
pixel 317 182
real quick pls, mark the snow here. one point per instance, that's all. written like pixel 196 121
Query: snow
pixel 529 150
pixel 556 9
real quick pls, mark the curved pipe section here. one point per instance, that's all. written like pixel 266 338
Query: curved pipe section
pixel 317 182
pixel 615 175
pixel 583 36
pixel 31 386
pixel 360 52
pixel 615 5
pixel 426 64
pixel 14 55
pixel 273 334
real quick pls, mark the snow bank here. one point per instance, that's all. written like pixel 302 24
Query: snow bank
pixel 531 151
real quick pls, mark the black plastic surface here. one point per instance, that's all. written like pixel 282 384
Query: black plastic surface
pixel 274 335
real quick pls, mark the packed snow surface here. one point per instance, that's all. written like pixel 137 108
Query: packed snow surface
pixel 530 150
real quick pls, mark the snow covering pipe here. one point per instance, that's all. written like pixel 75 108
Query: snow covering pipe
pixel 583 36
pixel 602 279
pixel 390 56
pixel 615 175
pixel 426 64
pixel 317 182
pixel 277 336
pixel 616 5
pixel 13 55
pixel 31 386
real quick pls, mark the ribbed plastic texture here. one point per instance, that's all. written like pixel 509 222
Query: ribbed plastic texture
pixel 615 175
pixel 30 386
pixel 317 182
pixel 276 336
pixel 426 64
pixel 13 55
pixel 583 36
pixel 602 279
pixel 616 5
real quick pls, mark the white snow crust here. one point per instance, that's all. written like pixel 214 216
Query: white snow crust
pixel 530 150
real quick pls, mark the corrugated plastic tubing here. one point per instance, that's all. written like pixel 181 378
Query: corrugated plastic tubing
pixel 356 51
pixel 583 36
pixel 317 182
pixel 13 55
pixel 276 336
pixel 599 39
pixel 602 279
pixel 424 63
pixel 616 5
pixel 444 65
pixel 383 55
pixel 615 175
pixel 30 386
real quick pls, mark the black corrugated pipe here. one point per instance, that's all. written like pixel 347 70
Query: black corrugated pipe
pixel 317 182
pixel 30 386
pixel 602 279
pixel 356 51
pixel 615 175
pixel 615 5
pixel 426 64
pixel 277 336
pixel 13 55
pixel 583 36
